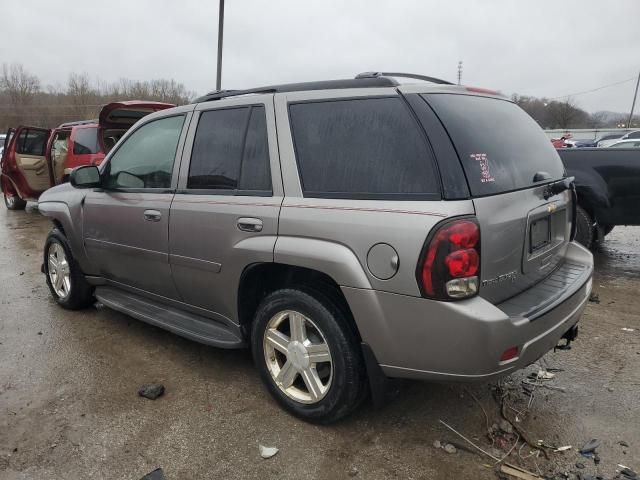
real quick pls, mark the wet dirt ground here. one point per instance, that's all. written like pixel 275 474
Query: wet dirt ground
pixel 69 407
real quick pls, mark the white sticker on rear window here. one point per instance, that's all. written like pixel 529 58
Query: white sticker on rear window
pixel 483 161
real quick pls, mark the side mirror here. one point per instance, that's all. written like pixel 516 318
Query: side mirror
pixel 87 176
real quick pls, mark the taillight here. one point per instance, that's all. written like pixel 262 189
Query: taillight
pixel 450 261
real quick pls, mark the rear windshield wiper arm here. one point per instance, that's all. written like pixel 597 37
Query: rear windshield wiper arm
pixel 558 187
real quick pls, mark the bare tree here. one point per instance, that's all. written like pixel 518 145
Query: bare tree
pixel 21 88
pixel 83 97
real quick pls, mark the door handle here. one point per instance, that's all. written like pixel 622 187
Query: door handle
pixel 250 224
pixel 152 215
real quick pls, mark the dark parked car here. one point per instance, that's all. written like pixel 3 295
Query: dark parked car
pixel 608 187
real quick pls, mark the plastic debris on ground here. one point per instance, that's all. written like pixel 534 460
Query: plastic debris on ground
pixel 590 446
pixel 151 391
pixel 267 452
pixel 157 474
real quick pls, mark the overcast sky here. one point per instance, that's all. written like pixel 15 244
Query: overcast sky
pixel 533 47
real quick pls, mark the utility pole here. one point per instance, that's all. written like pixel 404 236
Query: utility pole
pixel 459 72
pixel 633 104
pixel 220 31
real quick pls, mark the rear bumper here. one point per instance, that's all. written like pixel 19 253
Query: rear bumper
pixel 418 338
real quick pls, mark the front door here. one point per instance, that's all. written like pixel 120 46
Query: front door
pixel 126 223
pixel 225 213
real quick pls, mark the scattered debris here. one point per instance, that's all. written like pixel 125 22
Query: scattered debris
pixel 21 273
pixel 506 426
pixel 545 375
pixel 353 471
pixel 437 444
pixel 469 441
pixel 610 389
pixel 625 329
pixel 622 443
pixel 594 297
pixel 151 391
pixel 628 474
pixel 39 333
pixel 449 448
pixel 596 459
pixel 157 474
pixel 518 472
pixel 590 446
pixel 563 448
pixel 580 465
pixel 267 452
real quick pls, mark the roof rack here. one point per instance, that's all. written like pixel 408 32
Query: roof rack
pixel 362 80
pixel 81 122
pixel 368 82
pixel 415 76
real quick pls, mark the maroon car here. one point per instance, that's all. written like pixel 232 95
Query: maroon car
pixel 35 159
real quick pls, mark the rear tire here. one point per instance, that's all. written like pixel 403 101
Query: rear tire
pixel 585 232
pixel 65 280
pixel 14 202
pixel 285 365
pixel 606 229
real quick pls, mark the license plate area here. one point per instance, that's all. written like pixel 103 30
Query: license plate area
pixel 539 234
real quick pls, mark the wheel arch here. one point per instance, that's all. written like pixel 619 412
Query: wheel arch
pixel 260 279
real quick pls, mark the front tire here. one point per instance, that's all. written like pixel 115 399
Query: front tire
pixel 308 356
pixel 585 232
pixel 14 202
pixel 65 280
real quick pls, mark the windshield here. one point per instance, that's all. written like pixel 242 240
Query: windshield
pixel 500 146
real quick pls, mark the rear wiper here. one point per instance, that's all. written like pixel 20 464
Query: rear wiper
pixel 558 187
pixel 541 176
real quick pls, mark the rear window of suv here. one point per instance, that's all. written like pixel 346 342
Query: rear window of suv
pixel 86 141
pixel 501 147
pixel 362 148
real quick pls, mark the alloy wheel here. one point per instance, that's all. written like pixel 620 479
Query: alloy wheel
pixel 59 270
pixel 298 357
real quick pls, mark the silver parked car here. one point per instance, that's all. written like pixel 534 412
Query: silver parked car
pixel 346 231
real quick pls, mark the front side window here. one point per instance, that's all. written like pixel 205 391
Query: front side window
pixel 145 159
pixel 230 151
pixel 362 148
pixel 32 142
pixel 86 141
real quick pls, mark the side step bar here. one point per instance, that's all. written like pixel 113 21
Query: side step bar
pixel 188 325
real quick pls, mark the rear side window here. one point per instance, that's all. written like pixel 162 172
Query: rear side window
pixel 362 148
pixel 86 141
pixel 32 142
pixel 230 151
pixel 501 147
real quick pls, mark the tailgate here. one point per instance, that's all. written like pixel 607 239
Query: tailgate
pixel 523 237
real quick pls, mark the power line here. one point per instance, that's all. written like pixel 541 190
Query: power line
pixel 594 89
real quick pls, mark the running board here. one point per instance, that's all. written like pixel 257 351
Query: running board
pixel 188 325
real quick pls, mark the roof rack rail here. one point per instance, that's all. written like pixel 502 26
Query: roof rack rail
pixel 364 82
pixel 80 122
pixel 439 81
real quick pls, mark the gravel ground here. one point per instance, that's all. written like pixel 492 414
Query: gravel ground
pixel 69 406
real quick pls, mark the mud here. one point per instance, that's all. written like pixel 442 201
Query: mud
pixel 69 406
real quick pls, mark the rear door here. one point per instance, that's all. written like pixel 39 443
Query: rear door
pixel 225 213
pixel 25 160
pixel 508 163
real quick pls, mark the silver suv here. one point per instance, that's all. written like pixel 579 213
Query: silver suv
pixel 347 231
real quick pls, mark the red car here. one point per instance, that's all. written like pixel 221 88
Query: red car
pixel 35 159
